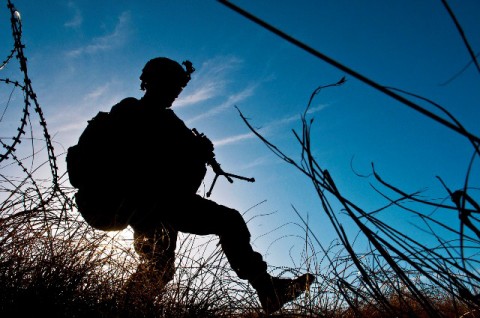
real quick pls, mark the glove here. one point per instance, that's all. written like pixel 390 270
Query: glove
pixel 206 146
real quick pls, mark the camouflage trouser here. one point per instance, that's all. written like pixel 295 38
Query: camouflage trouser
pixel 156 234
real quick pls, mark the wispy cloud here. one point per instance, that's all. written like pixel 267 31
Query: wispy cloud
pixel 213 78
pixel 202 93
pixel 267 129
pixel 294 118
pixel 233 139
pixel 231 100
pixel 219 67
pixel 317 108
pixel 210 80
pixel 77 19
pixel 260 161
pixel 97 92
pixel 109 41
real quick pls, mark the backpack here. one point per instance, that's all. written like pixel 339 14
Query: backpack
pixel 80 157
pixel 89 168
pixel 97 169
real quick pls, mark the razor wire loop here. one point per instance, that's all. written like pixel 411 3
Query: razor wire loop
pixel 29 96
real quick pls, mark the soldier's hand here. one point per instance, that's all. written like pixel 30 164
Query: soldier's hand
pixel 206 144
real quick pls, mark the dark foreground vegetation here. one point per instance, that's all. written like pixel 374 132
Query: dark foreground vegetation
pixel 52 264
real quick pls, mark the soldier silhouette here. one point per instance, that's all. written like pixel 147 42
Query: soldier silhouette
pixel 156 186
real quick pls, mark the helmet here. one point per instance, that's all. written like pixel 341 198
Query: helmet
pixel 166 71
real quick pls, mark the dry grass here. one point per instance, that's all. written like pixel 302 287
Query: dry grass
pixel 52 263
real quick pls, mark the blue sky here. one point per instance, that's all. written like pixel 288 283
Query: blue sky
pixel 85 56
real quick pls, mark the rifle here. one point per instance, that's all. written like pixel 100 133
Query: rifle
pixel 212 162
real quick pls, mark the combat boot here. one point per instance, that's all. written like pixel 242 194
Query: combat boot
pixel 274 292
